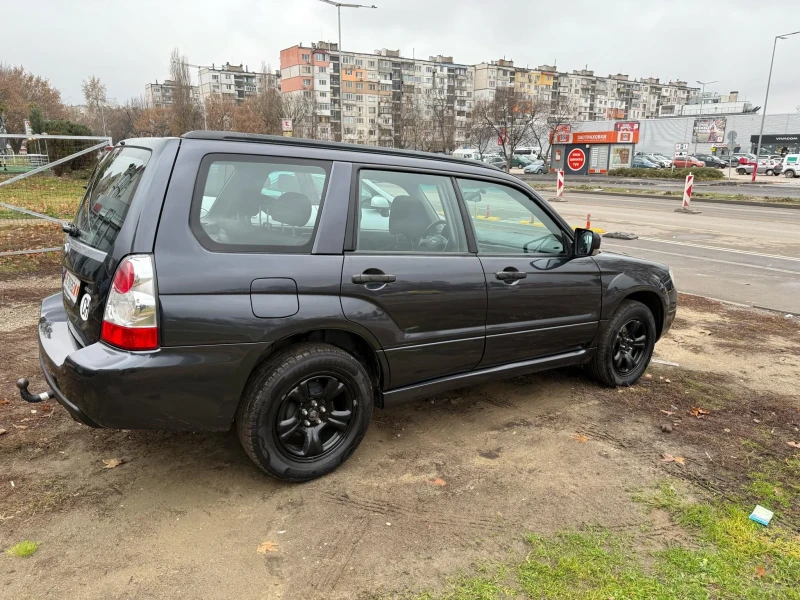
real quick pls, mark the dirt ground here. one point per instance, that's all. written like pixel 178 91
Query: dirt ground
pixel 436 487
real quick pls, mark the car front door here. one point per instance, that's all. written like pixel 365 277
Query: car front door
pixel 409 277
pixel 542 300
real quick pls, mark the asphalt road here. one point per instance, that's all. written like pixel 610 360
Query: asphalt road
pixel 744 254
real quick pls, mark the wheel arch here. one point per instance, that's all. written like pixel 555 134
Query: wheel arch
pixel 652 300
pixel 362 348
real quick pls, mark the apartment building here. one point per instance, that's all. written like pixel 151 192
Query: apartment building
pixel 234 82
pixel 161 95
pixel 492 75
pixel 369 98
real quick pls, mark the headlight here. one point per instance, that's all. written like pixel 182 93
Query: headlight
pixel 672 278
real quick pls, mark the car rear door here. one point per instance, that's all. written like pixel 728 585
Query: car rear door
pixel 542 301
pixel 409 277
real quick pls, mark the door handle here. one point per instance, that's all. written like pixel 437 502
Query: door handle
pixel 510 275
pixel 374 278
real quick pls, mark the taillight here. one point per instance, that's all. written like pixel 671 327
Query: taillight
pixel 130 321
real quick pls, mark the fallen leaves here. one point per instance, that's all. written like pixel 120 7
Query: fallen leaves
pixel 668 458
pixel 112 463
pixel 760 571
pixel 698 412
pixel 4 401
pixel 267 546
pixel 581 438
pixel 793 445
pixel 19 426
pixel 438 481
pixel 3 431
pixel 669 413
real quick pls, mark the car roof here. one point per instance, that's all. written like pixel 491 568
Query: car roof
pixel 255 138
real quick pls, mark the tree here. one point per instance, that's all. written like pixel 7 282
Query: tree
pixel 479 134
pixel 94 94
pixel 154 122
pixel 513 116
pixel 19 92
pixel 186 115
pixel 561 112
pixel 219 112
pixel 261 113
pixel 300 110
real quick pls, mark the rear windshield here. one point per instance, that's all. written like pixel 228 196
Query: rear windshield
pixel 108 196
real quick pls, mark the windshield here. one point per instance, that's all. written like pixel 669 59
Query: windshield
pixel 108 196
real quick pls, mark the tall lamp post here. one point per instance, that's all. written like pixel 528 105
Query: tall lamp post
pixel 339 6
pixel 702 96
pixel 766 97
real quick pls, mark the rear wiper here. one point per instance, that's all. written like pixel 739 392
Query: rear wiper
pixel 71 229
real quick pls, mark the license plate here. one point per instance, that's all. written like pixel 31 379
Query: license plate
pixel 72 286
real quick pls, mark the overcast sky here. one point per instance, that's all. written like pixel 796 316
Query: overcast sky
pixel 127 43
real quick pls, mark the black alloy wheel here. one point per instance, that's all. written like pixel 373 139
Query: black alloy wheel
pixel 305 411
pixel 315 416
pixel 630 347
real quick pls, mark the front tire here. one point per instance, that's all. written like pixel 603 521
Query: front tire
pixel 626 345
pixel 305 412
pixel 741 171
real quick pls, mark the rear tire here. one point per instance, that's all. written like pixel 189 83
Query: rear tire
pixel 769 172
pixel 305 412
pixel 631 333
pixel 741 171
pixel 789 174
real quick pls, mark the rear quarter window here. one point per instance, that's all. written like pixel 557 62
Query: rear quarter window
pixel 258 204
pixel 109 195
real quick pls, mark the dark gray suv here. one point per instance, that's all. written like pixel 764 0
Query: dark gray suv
pixel 289 286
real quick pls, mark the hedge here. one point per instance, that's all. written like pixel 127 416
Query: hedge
pixel 701 174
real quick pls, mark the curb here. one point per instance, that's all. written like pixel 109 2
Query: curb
pixel 708 200
pixel 737 304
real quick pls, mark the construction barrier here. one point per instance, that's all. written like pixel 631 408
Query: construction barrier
pixel 687 196
pixel 559 197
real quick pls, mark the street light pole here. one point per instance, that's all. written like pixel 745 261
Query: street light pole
pixel 766 97
pixel 339 6
pixel 702 95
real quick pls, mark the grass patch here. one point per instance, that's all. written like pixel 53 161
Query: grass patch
pixel 53 196
pixel 731 557
pixel 23 549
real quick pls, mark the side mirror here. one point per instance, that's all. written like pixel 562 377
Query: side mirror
pixel 472 196
pixel 587 242
pixel 379 202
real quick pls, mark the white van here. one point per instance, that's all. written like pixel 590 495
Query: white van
pixel 791 165
pixel 472 153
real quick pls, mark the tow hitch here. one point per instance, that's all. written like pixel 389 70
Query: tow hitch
pixel 23 383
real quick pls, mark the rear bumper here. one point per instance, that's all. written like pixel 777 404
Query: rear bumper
pixel 193 388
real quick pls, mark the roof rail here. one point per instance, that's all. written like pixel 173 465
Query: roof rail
pixel 231 136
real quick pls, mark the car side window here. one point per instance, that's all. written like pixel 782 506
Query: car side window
pixel 408 212
pixel 257 204
pixel 506 221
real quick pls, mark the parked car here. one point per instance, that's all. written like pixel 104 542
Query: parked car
pixel 687 162
pixel 766 166
pixel 640 162
pixel 519 162
pixel 497 161
pixel 656 159
pixel 791 165
pixel 711 161
pixel 666 161
pixel 535 167
pixel 285 307
pixel 744 158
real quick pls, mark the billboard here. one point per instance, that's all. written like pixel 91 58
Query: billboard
pixel 626 126
pixel 709 131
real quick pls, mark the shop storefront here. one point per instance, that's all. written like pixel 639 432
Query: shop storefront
pixel 590 152
pixel 788 143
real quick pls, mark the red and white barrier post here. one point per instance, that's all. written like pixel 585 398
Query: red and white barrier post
pixel 687 196
pixel 559 197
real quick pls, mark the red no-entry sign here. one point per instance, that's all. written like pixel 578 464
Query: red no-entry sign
pixel 576 159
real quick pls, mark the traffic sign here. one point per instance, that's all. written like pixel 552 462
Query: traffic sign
pixel 286 124
pixel 681 146
pixel 576 159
